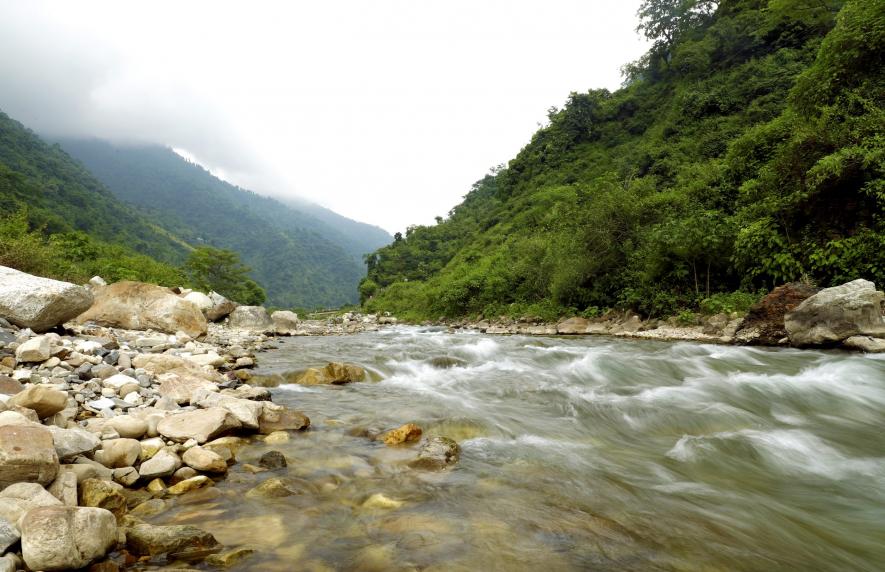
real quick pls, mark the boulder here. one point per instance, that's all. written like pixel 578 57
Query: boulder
pixel 127 426
pixel 764 323
pixel 139 306
pixel 200 425
pixel 103 494
pixel 221 307
pixel 9 535
pixel 403 434
pixel 278 418
pixel 437 453
pixel 178 377
pixel 72 442
pixel 32 493
pixel 36 349
pixel 835 314
pixel 64 487
pixel 43 399
pixel 9 386
pixel 39 303
pixel 189 484
pixel 285 323
pixel 865 344
pixel 273 460
pixel 200 300
pixel 66 538
pixel 162 464
pixel 27 454
pixel 149 540
pixel 204 460
pixel 247 412
pixel 118 453
pixel 573 326
pixel 252 318
pixel 334 373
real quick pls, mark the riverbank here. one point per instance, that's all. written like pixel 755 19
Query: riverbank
pixel 126 400
pixel 850 316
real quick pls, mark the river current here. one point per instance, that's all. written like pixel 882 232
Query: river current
pixel 584 453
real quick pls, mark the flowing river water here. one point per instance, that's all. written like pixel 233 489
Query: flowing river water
pixel 577 454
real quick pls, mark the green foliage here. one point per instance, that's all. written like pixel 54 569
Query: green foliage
pixel 746 150
pixel 220 270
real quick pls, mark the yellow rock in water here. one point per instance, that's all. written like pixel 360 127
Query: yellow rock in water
pixel 229 558
pixel 190 484
pixel 379 500
pixel 156 486
pixel 277 437
pixel 404 434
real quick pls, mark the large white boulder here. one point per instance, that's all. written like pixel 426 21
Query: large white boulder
pixel 200 300
pixel 285 323
pixel 39 303
pixel 140 306
pixel 221 307
pixel 200 425
pixel 66 537
pixel 253 318
pixel 836 314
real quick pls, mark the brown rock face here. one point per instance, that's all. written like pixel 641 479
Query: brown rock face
pixel 764 323
pixel 278 418
pixel 27 454
pixel 573 326
pixel 334 373
pixel 140 306
pixel 45 400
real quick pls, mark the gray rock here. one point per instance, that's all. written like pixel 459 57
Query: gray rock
pixel 201 425
pixel 9 535
pixel 204 460
pixel 162 464
pixel 65 538
pixel 39 303
pixel 72 442
pixel 147 539
pixel 34 350
pixel 221 307
pixel 247 412
pixel 437 453
pixel 272 460
pixel 64 487
pixel 836 314
pixel 118 453
pixel 865 344
pixel 252 318
pixel 285 323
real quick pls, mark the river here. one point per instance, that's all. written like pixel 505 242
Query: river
pixel 584 453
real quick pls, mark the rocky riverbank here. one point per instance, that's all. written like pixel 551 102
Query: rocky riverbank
pixel 118 400
pixel 849 316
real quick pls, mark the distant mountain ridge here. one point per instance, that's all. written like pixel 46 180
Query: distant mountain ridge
pixel 301 258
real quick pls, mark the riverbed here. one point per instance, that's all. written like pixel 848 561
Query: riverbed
pixel 585 453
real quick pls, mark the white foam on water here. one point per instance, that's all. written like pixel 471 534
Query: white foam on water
pixel 297 388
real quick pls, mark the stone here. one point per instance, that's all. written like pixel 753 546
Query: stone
pixel 127 426
pixel 273 460
pixel 437 453
pixel 72 442
pixel 446 362
pixel 139 306
pixel 210 358
pixel 277 438
pixel 183 474
pixel 156 486
pixel 178 377
pixel 66 538
pixel 150 447
pixel 204 460
pixel 32 493
pixel 10 563
pixel 764 322
pixel 191 484
pixel 150 540
pixel 865 344
pixel 230 557
pixel 247 412
pixel 27 454
pixel 403 434
pixel 118 453
pixel 102 403
pixel 221 307
pixel 43 399
pixel 162 464
pixel 97 281
pixel 334 373
pixel 273 487
pixel 201 425
pixel 9 535
pixel 64 488
pixel 9 386
pixel 103 494
pixel 86 468
pixel 36 349
pixel 16 418
pixel 118 381
pixel 278 418
pixel 253 318
pixel 836 314
pixel 285 323
pixel 573 326
pixel 150 508
pixel 39 303
pixel 381 501
pixel 200 300
pixel 127 476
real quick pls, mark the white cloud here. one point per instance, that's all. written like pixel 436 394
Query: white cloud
pixel 385 111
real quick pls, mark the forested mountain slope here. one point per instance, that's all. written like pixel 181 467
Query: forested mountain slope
pixel 745 150
pixel 298 259
pixel 57 219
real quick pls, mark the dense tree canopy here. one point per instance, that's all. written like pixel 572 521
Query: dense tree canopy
pixel 221 270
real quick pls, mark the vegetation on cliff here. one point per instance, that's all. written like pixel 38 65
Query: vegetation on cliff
pixel 744 150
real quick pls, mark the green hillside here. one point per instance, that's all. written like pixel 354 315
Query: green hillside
pixel 745 150
pixel 56 219
pixel 298 259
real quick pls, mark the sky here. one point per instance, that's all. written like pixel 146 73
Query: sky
pixel 385 111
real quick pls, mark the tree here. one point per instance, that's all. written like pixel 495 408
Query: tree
pixel 663 21
pixel 221 270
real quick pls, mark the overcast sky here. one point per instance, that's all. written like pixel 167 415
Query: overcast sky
pixel 385 111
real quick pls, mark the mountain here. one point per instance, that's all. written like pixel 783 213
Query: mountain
pixel 56 219
pixel 300 260
pixel 745 150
